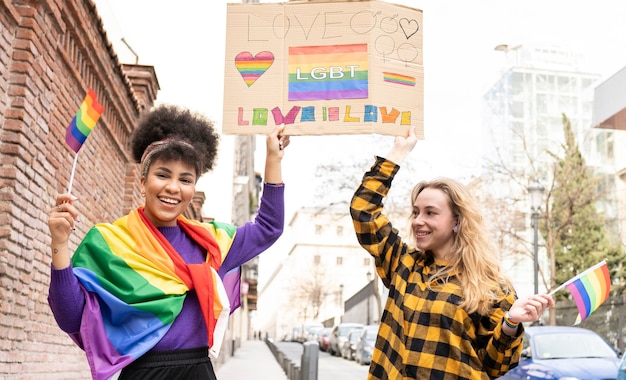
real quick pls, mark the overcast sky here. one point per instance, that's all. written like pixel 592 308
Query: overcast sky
pixel 185 44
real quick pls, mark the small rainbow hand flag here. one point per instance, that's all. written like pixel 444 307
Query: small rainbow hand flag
pixel 83 122
pixel 589 289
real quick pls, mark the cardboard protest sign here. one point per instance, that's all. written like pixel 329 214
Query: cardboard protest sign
pixel 323 68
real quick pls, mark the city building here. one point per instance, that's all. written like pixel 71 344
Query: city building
pixel 324 266
pixel 609 113
pixel 52 53
pixel 523 127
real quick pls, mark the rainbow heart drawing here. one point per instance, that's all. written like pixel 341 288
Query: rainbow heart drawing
pixel 252 67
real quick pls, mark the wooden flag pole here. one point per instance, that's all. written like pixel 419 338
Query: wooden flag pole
pixel 559 288
pixel 576 277
pixel 69 187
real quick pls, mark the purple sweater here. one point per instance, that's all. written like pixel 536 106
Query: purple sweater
pixel 66 298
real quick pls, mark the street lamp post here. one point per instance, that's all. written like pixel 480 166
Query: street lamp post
pixel 536 194
pixel 369 280
pixel 340 302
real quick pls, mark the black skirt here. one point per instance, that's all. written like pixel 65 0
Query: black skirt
pixel 189 364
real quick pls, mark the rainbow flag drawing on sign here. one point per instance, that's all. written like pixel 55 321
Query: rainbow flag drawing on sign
pixel 590 289
pixel 328 72
pixel 83 122
pixel 396 78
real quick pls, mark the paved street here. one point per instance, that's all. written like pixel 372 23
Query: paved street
pixel 255 357
pixel 329 367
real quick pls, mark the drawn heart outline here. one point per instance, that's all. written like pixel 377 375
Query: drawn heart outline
pixel 252 67
pixel 409 27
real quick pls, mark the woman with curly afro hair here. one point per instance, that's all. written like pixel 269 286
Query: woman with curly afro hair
pixel 149 295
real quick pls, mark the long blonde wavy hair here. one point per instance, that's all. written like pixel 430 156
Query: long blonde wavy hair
pixel 473 258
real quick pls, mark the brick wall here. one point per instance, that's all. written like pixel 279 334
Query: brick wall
pixel 51 52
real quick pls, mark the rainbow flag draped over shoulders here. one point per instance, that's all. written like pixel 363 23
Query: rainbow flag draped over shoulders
pixel 135 285
pixel 590 289
pixel 83 122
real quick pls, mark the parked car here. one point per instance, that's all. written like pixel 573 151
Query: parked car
pixel 339 335
pixel 349 346
pixel 310 331
pixel 565 352
pixel 314 333
pixel 295 334
pixel 365 344
pixel 323 337
pixel 307 331
pixel 621 375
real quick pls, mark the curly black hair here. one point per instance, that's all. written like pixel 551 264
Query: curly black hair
pixel 174 122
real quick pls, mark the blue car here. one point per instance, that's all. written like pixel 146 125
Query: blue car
pixel 564 352
pixel 365 345
pixel 621 375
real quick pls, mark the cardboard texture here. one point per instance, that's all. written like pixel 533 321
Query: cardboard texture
pixel 352 67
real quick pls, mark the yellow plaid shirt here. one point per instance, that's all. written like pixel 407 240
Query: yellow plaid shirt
pixel 423 333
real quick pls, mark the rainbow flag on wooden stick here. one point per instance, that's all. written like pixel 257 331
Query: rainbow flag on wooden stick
pixel 589 289
pixel 83 122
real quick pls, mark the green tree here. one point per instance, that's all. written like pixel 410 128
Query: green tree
pixel 575 235
pixel 575 231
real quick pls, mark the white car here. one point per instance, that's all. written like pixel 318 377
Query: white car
pixel 339 335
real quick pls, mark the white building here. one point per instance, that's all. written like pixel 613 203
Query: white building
pixel 523 123
pixel 323 266
pixel 609 113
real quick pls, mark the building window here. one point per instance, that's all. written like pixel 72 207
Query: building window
pixel 339 230
pixel 366 261
pixel 318 229
pixel 317 259
pixel 339 260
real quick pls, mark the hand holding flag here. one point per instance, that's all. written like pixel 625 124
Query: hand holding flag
pixel 589 289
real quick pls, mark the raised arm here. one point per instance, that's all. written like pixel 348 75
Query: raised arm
pixel 276 143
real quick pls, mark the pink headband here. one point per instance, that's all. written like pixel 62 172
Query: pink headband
pixel 157 146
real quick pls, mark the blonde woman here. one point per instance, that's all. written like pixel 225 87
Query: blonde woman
pixel 451 312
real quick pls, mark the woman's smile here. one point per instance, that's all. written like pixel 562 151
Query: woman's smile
pixel 169 187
